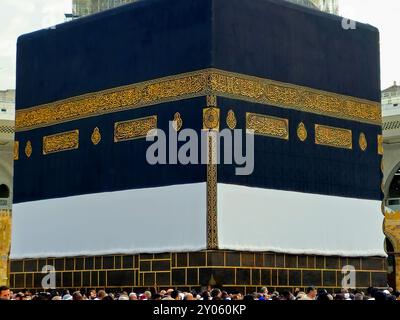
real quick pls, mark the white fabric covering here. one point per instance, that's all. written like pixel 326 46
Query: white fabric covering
pixel 257 219
pixel 150 220
pixel 173 218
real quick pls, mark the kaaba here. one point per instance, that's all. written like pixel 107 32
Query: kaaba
pixel 87 201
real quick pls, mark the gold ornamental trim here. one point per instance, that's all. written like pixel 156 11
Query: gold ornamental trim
pixel 391 227
pixel 28 149
pixel 134 129
pixel 380 144
pixel 362 141
pixel 268 125
pixel 211 101
pixel 96 136
pixel 302 132
pixel 231 119
pixel 16 150
pixel 61 142
pixel 177 122
pixel 211 118
pixel 333 137
pixel 207 82
pixel 5 245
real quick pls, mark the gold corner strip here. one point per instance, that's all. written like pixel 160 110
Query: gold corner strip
pixel 268 125
pixel 134 129
pixel 61 142
pixel 380 144
pixel 16 150
pixel 333 137
pixel 5 245
pixel 212 218
pixel 207 82
pixel 211 101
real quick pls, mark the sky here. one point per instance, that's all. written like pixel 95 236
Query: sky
pixel 22 16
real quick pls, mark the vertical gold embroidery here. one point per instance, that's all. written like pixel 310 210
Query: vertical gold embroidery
pixel 212 226
pixel 380 144
pixel 211 123
pixel 5 244
pixel 16 150
pixel 211 101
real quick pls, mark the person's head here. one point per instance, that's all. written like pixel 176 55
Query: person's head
pixel 323 295
pixel 142 297
pixel 102 294
pixel 19 296
pixel 300 295
pixel 380 296
pixel 5 293
pixel 189 296
pixel 248 297
pixel 264 290
pixel 275 295
pixel 236 295
pixel 132 296
pixel 358 297
pixel 339 296
pixel 67 297
pixel 311 292
pixel 175 295
pixel 205 295
pixel 216 294
pixel 77 296
pixel 156 296
pixel 371 292
pixel 123 296
pixel 92 294
pixel 148 294
pixel 344 291
pixel 286 295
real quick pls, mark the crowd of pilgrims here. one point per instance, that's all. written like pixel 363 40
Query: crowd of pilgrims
pixel 311 293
